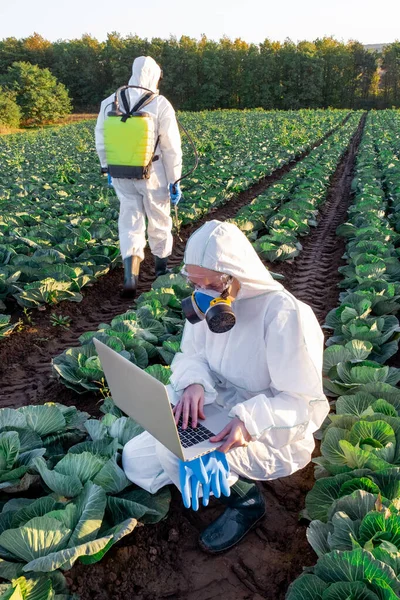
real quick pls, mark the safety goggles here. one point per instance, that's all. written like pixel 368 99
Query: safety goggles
pixel 217 281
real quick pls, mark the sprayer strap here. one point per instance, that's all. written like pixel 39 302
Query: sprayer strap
pixel 145 99
pixel 153 158
pixel 125 101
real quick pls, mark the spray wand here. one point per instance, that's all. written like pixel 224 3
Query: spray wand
pixel 196 162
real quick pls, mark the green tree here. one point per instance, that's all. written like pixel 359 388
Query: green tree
pixel 391 74
pixel 38 51
pixel 333 55
pixel 268 75
pixel 205 74
pixel 10 112
pixel 364 72
pixel 310 77
pixel 288 59
pixel 180 67
pixel 210 75
pixel 11 50
pixel 39 95
pixel 78 65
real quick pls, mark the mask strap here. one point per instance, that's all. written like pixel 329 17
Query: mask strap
pixel 226 291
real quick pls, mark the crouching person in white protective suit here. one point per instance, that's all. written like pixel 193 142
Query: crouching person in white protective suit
pixel 266 369
pixel 143 191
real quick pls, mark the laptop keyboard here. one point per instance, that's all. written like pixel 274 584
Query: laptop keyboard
pixel 190 436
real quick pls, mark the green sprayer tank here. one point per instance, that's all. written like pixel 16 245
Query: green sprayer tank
pixel 129 144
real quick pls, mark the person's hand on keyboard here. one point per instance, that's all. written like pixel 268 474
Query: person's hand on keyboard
pixel 209 472
pixel 235 435
pixel 191 404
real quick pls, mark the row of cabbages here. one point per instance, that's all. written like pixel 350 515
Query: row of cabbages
pixel 355 503
pixel 78 500
pixel 287 210
pixel 238 148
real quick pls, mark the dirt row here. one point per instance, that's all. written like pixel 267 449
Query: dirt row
pixel 313 276
pixel 25 357
pixel 164 561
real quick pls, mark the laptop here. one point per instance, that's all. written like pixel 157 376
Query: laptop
pixel 146 401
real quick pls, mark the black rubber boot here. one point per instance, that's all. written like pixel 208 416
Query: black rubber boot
pixel 160 266
pixel 245 507
pixel 131 276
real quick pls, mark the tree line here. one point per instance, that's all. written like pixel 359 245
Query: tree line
pixel 207 74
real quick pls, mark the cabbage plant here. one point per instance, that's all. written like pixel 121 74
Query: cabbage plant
pixel 348 575
pixel 69 475
pixel 353 525
pixel 92 504
pixel 145 336
pixel 5 326
pixel 31 432
pixel 288 209
pixel 34 587
pixel 349 443
pixel 348 377
pixel 354 321
pixel 385 400
pixel 44 535
pixel 321 501
pixel 47 291
pixel 74 226
pixel 95 459
pixel 356 527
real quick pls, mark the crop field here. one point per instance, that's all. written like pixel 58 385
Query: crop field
pixel 318 195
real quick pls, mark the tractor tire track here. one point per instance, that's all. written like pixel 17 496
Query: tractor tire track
pixel 313 276
pixel 25 357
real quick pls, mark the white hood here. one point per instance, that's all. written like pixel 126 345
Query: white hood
pixel 146 73
pixel 222 247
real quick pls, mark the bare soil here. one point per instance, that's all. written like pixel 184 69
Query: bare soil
pixel 164 560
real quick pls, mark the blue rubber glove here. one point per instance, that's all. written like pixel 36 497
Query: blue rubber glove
pixel 211 471
pixel 110 183
pixel 175 193
pixel 218 471
pixel 192 474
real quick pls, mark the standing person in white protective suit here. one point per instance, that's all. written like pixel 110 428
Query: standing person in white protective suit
pixel 267 369
pixel 145 197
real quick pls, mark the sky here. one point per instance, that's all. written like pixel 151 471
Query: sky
pixel 367 21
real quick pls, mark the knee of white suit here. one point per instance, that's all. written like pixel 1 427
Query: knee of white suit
pixel 142 465
pixel 169 463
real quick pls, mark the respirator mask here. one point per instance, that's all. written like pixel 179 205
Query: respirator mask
pixel 210 305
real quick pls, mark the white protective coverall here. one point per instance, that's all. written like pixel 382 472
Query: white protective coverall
pixel 267 369
pixel 146 197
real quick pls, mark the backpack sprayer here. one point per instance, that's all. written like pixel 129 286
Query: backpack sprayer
pixel 133 160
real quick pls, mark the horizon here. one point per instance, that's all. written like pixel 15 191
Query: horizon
pixel 359 20
pixel 198 39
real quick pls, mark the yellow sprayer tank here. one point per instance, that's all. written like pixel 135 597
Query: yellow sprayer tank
pixel 129 144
